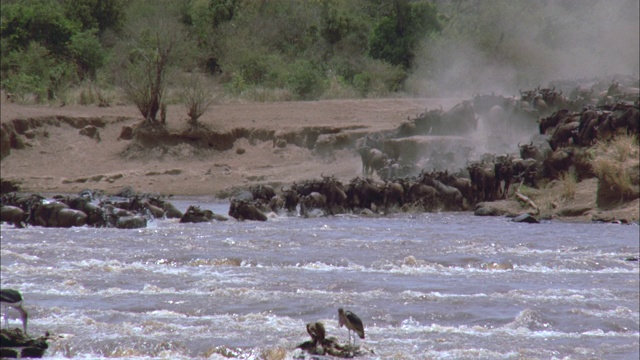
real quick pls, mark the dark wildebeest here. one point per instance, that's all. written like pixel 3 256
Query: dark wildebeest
pixel 262 192
pixel 527 170
pixel 291 199
pixel 503 170
pixel 563 135
pixel 421 194
pixel 369 193
pixel 56 214
pixel 483 181
pixel 550 122
pixel 450 197
pixel 170 211
pixel 558 162
pixel 13 215
pixel 196 215
pixel 372 160
pixel 393 194
pixel 530 151
pixel 276 203
pixel 334 193
pixel 242 210
pixel 460 183
pixel 314 200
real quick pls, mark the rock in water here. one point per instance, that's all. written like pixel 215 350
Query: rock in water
pixel 526 218
pixel 16 344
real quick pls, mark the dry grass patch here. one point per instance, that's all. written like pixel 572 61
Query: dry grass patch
pixel 615 162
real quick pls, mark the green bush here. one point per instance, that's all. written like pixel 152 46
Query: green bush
pixel 395 37
pixel 35 72
pixel 88 53
pixel 40 21
pixel 100 15
pixel 305 80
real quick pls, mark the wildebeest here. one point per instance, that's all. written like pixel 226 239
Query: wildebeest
pixel 483 181
pixel 242 210
pixel 372 160
pixel 503 170
pixel 557 162
pixel 530 151
pixel 422 194
pixel 291 199
pixel 56 214
pixel 314 200
pixel 393 194
pixel 95 214
pixel 527 170
pixel 334 194
pixel 551 121
pixel 367 194
pixel 131 222
pixel 13 215
pixel 262 192
pixel 462 184
pixel 449 196
pixel 563 134
pixel 196 215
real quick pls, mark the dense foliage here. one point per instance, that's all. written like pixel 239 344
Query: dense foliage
pixel 288 50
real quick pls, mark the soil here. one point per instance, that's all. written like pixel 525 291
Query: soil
pixel 56 158
pixel 53 151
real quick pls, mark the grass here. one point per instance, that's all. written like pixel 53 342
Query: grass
pixel 615 161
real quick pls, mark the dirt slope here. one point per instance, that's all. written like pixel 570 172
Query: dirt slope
pixel 57 158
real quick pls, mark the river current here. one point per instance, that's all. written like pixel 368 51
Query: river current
pixel 426 286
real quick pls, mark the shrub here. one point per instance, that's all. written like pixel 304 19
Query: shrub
pixel 88 53
pixel 34 72
pixel 196 98
pixel 396 36
pixel 99 15
pixel 305 80
pixel 147 72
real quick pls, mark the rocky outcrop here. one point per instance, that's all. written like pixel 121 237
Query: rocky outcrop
pixel 16 344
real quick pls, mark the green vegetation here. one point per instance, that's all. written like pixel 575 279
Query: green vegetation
pixel 76 51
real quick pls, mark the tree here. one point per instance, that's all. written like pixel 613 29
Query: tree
pixel 97 14
pixel 41 21
pixel 87 52
pixel 196 98
pixel 147 73
pixel 395 37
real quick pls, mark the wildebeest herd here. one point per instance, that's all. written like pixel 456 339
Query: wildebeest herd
pixel 564 129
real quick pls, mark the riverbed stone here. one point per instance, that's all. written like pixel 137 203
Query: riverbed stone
pixel 526 218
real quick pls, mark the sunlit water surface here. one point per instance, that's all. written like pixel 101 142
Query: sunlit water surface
pixel 446 285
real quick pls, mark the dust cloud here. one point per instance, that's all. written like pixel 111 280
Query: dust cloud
pixel 502 46
pixel 506 45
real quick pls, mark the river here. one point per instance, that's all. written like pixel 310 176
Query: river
pixel 426 286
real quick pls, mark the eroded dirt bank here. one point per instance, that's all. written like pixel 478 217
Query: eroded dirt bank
pixel 50 149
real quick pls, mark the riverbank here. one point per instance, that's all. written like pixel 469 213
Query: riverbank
pixel 72 148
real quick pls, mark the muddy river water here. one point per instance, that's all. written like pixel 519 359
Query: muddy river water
pixel 426 286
